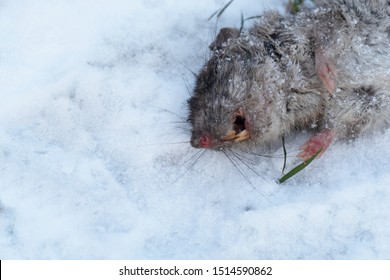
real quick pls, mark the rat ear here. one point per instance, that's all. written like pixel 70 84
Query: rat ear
pixel 223 36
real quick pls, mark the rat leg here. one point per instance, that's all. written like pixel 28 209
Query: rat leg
pixel 325 70
pixel 319 141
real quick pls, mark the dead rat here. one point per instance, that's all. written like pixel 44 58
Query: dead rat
pixel 326 70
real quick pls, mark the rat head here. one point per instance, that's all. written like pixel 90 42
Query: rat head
pixel 217 107
pixel 234 99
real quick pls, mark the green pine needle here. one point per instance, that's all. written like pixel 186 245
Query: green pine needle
pixel 298 168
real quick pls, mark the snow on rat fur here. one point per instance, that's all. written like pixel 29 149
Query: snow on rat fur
pixel 96 161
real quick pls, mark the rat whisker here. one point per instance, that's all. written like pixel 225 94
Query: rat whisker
pixel 248 166
pixel 237 168
pixel 164 143
pixel 269 156
pixel 174 122
pixel 180 117
pixel 182 75
pixel 199 153
pixel 252 162
pixel 192 36
pixel 245 176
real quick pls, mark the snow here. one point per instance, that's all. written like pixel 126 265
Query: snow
pixel 95 161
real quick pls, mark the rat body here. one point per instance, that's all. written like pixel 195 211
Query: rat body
pixel 326 70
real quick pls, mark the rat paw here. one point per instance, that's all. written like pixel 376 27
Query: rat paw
pixel 325 71
pixel 321 141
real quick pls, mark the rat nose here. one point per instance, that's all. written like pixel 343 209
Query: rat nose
pixel 205 141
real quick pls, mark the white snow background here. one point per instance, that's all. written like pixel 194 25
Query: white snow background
pixel 95 161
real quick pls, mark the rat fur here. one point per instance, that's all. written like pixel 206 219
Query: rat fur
pixel 326 70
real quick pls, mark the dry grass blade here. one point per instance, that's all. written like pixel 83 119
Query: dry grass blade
pixel 218 13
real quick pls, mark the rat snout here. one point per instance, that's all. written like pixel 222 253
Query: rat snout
pixel 203 141
pixel 223 137
pixel 206 141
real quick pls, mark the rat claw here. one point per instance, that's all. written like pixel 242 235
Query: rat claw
pixel 317 142
pixel 302 148
pixel 327 81
pixel 308 153
pixel 325 74
pixel 302 155
pixel 325 71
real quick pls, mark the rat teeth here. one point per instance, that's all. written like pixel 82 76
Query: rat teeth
pixel 230 135
pixel 242 136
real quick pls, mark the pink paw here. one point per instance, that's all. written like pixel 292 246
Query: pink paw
pixel 325 71
pixel 315 143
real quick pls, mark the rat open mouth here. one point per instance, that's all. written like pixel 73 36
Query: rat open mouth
pixel 239 131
